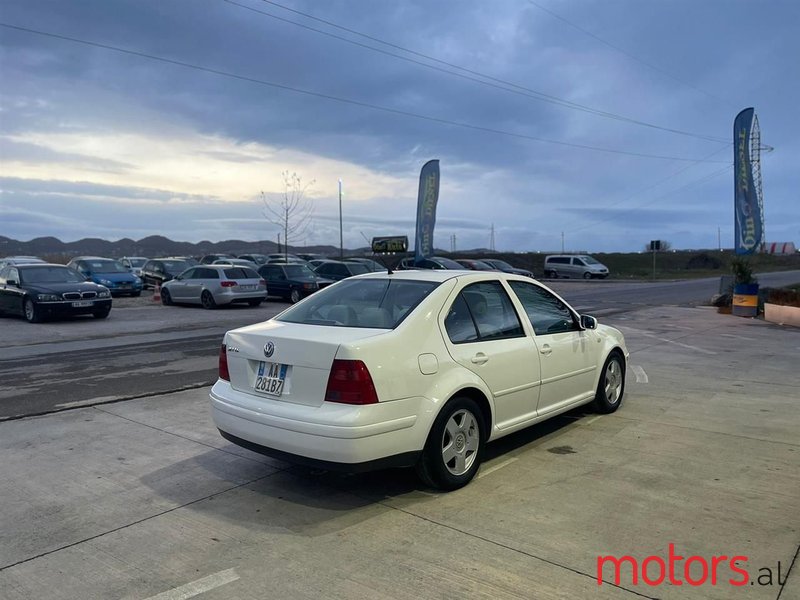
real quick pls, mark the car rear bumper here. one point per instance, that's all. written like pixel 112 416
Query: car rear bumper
pixel 227 297
pixel 353 438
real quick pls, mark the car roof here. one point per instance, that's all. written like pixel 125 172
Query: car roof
pixel 39 265
pixel 436 275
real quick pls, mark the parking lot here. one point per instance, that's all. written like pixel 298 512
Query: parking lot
pixel 142 498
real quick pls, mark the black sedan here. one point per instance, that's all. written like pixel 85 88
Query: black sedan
pixel 160 270
pixel 337 270
pixel 36 291
pixel 503 266
pixel 291 282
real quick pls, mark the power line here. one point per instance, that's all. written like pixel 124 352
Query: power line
pixel 625 52
pixel 506 86
pixel 349 101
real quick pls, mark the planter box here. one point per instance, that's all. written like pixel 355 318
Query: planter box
pixel 745 299
pixel 785 315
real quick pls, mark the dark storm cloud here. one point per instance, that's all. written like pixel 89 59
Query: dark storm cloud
pixel 53 85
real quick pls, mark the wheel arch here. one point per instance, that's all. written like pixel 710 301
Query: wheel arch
pixel 477 395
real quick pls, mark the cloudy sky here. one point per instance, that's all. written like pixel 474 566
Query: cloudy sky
pixel 609 121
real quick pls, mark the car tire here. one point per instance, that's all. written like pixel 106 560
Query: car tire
pixel 611 387
pixel 255 303
pixel 207 300
pixel 32 314
pixel 101 314
pixel 587 275
pixel 452 453
pixel 294 297
pixel 551 274
pixel 166 299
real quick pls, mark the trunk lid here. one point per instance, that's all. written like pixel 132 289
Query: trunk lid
pixel 304 355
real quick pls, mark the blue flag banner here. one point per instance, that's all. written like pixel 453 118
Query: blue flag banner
pixel 748 208
pixel 427 198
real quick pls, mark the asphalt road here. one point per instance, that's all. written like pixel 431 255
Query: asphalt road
pixel 146 349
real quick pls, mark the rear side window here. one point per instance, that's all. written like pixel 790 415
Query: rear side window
pixel 241 273
pixel 561 260
pixel 368 303
pixel 482 312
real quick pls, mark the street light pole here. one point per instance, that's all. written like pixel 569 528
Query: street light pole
pixel 341 239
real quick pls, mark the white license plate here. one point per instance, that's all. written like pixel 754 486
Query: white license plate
pixel 82 303
pixel 247 288
pixel 270 378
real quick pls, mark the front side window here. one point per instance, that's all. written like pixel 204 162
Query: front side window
pixel 372 303
pixel 546 312
pixel 490 311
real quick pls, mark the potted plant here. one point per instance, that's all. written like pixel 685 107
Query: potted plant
pixel 783 306
pixel 745 288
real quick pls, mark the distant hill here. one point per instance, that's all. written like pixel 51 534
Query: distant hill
pixel 151 246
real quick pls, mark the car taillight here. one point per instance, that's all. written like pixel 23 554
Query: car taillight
pixel 350 383
pixel 262 282
pixel 223 363
pixel 228 283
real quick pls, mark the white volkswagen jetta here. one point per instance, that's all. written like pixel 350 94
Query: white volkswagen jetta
pixel 412 368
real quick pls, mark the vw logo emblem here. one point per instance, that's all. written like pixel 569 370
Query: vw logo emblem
pixel 269 349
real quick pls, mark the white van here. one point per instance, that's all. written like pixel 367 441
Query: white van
pixel 574 265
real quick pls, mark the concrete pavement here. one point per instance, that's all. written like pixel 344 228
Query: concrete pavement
pixel 143 498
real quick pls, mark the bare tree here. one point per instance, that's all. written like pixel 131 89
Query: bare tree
pixel 291 211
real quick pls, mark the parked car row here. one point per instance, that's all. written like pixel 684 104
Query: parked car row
pixel 220 279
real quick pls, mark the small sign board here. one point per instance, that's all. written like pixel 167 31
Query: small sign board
pixel 390 244
pixel 655 245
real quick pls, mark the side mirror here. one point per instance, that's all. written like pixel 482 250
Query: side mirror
pixel 87 278
pixel 12 282
pixel 588 322
pixel 178 278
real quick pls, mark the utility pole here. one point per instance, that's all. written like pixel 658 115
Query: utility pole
pixel 341 238
pixel 279 242
pixel 562 242
pixel 491 239
pixel 719 238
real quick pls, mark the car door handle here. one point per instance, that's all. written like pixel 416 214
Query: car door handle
pixel 546 350
pixel 480 358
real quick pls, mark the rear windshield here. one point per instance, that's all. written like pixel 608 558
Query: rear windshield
pixel 105 266
pixel 49 275
pixel 449 264
pixel 357 268
pixel 501 264
pixel 241 273
pixel 299 271
pixel 368 303
pixel 174 267
pixel 137 262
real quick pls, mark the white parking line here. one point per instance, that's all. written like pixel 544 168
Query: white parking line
pixel 200 586
pixel 593 419
pixel 738 337
pixel 496 467
pixel 641 376
pixel 661 339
